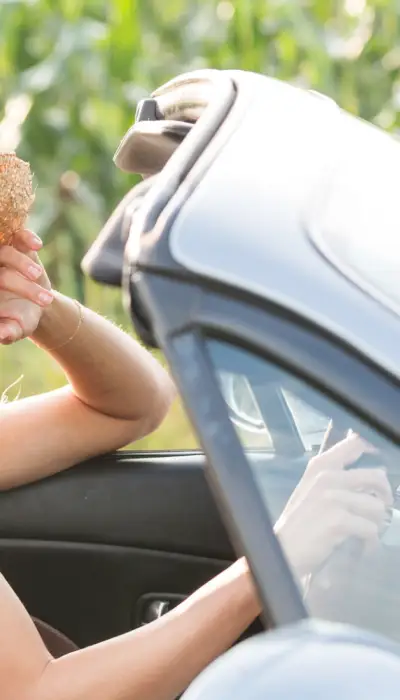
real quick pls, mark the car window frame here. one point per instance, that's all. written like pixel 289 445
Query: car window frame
pixel 233 484
pixel 187 310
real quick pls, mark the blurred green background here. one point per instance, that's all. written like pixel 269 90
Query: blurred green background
pixel 72 72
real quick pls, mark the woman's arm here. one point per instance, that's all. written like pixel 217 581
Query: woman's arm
pixel 155 662
pixel 117 393
pixel 107 369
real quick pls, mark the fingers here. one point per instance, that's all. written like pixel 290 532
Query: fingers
pixel 24 287
pixel 349 450
pixel 12 258
pixel 363 505
pixel 15 283
pixel 25 241
pixel 351 515
pixel 373 481
pixel 370 481
pixel 340 455
pixel 10 332
pixel 364 529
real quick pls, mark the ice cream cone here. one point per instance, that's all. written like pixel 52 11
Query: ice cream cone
pixel 16 195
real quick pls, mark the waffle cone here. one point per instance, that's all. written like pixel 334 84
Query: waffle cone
pixel 16 195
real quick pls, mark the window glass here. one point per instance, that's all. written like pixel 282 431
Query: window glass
pixel 334 504
pixel 248 420
pixel 311 424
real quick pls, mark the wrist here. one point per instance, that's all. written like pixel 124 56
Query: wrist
pixel 248 587
pixel 58 323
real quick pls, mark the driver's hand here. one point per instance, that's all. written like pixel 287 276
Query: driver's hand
pixel 331 504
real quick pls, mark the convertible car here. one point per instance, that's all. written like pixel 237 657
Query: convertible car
pixel 261 254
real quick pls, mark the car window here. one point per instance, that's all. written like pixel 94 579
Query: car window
pixel 311 424
pixel 336 512
pixel 248 420
pixel 247 417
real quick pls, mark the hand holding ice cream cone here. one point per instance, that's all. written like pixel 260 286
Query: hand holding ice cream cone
pixel 24 286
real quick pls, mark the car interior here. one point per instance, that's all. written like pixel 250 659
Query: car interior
pixel 113 543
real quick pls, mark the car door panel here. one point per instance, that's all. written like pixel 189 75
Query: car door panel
pixel 93 592
pixel 85 549
pixel 145 501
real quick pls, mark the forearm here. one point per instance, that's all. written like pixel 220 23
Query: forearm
pixel 158 661
pixel 107 369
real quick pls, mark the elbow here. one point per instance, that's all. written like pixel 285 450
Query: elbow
pixel 134 424
pixel 164 397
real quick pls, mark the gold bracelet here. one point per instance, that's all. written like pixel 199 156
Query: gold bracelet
pixel 76 331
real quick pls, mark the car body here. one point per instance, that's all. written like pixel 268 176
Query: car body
pixel 263 259
pixel 308 660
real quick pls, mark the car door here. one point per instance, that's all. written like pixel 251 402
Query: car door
pixel 113 543
pixel 340 576
pixel 291 367
pixel 110 544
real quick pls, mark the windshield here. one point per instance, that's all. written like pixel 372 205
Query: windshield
pixel 330 486
pixel 364 241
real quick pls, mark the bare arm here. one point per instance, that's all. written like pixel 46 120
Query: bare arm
pixel 117 393
pixel 155 662
pixel 106 368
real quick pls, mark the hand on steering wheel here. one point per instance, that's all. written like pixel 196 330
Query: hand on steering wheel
pixel 332 504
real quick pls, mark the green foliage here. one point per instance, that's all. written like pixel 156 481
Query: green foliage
pixel 71 74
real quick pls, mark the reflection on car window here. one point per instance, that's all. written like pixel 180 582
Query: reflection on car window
pixel 335 506
pixel 312 425
pixel 243 407
pixel 250 424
